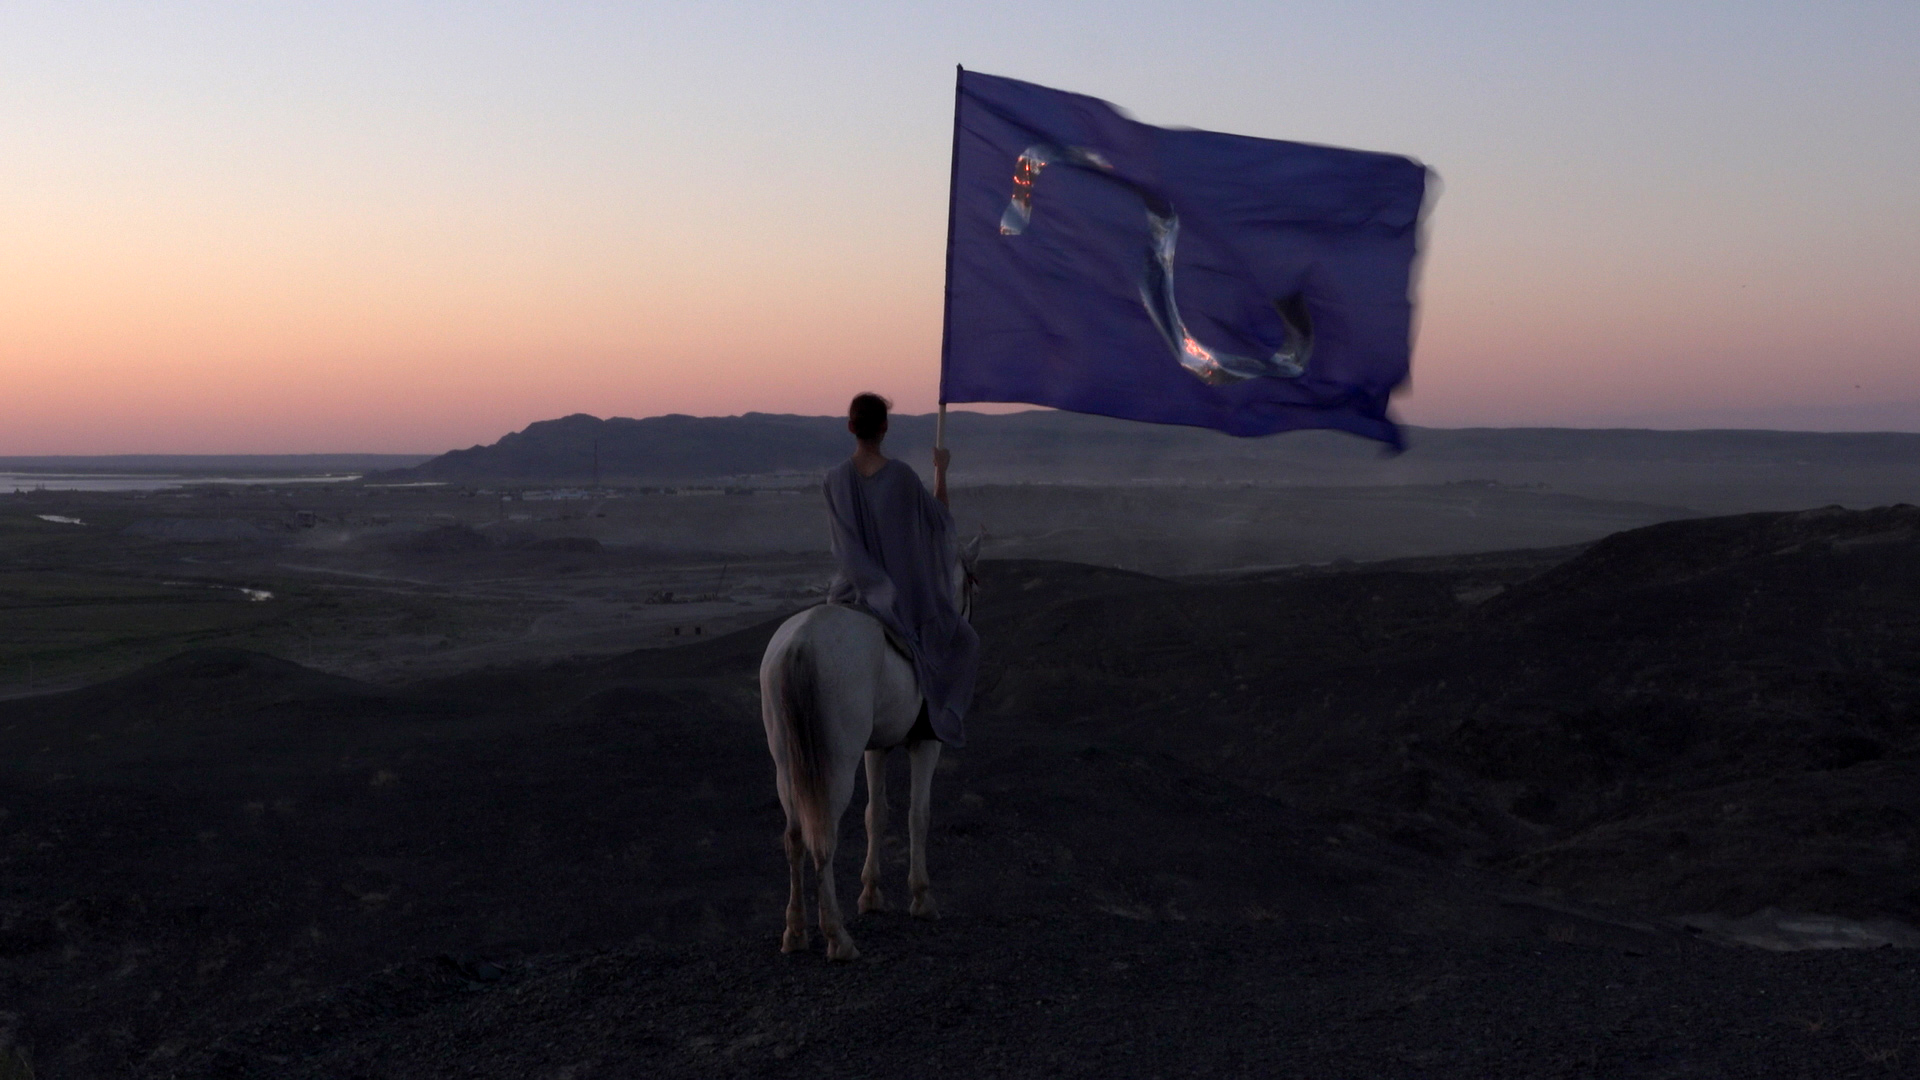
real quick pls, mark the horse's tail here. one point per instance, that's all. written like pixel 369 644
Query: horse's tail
pixel 797 676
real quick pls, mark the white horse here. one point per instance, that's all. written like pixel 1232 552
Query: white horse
pixel 832 687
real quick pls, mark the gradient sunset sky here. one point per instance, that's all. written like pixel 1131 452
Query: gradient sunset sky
pixel 403 227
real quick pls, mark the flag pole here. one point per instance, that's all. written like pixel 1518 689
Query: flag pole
pixel 946 311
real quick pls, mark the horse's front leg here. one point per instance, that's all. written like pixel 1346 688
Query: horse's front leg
pixel 925 757
pixel 871 898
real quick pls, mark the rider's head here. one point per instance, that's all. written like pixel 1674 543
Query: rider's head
pixel 867 417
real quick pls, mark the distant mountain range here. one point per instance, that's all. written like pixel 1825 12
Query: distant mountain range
pixel 1044 446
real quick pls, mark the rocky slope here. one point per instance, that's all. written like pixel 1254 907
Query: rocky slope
pixel 1441 817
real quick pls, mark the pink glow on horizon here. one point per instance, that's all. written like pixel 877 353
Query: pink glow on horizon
pixel 407 229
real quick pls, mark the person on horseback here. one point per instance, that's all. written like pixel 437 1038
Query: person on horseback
pixel 895 546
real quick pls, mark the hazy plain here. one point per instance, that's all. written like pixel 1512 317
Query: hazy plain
pixel 400 580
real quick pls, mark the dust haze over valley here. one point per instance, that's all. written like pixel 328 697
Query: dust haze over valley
pixel 584 536
pixel 456 764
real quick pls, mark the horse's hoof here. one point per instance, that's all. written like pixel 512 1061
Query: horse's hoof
pixel 842 952
pixel 793 941
pixel 872 900
pixel 924 907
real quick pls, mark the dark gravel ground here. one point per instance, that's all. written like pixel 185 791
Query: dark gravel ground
pixel 1101 996
pixel 1322 823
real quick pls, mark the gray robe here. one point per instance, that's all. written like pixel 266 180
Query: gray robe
pixel 896 548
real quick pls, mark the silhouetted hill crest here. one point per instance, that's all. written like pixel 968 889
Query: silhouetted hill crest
pixel 1676 551
pixel 1058 446
pixel 580 447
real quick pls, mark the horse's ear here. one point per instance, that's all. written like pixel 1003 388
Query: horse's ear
pixel 971 550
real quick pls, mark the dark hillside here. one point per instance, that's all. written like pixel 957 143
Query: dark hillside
pixel 1718 715
pixel 1441 817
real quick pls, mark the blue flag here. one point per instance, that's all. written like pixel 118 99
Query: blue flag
pixel 1101 265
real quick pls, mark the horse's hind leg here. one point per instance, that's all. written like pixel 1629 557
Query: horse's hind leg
pixel 832 926
pixel 871 898
pixel 925 757
pixel 795 938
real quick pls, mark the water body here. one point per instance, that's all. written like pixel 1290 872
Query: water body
pixel 252 595
pixel 19 482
